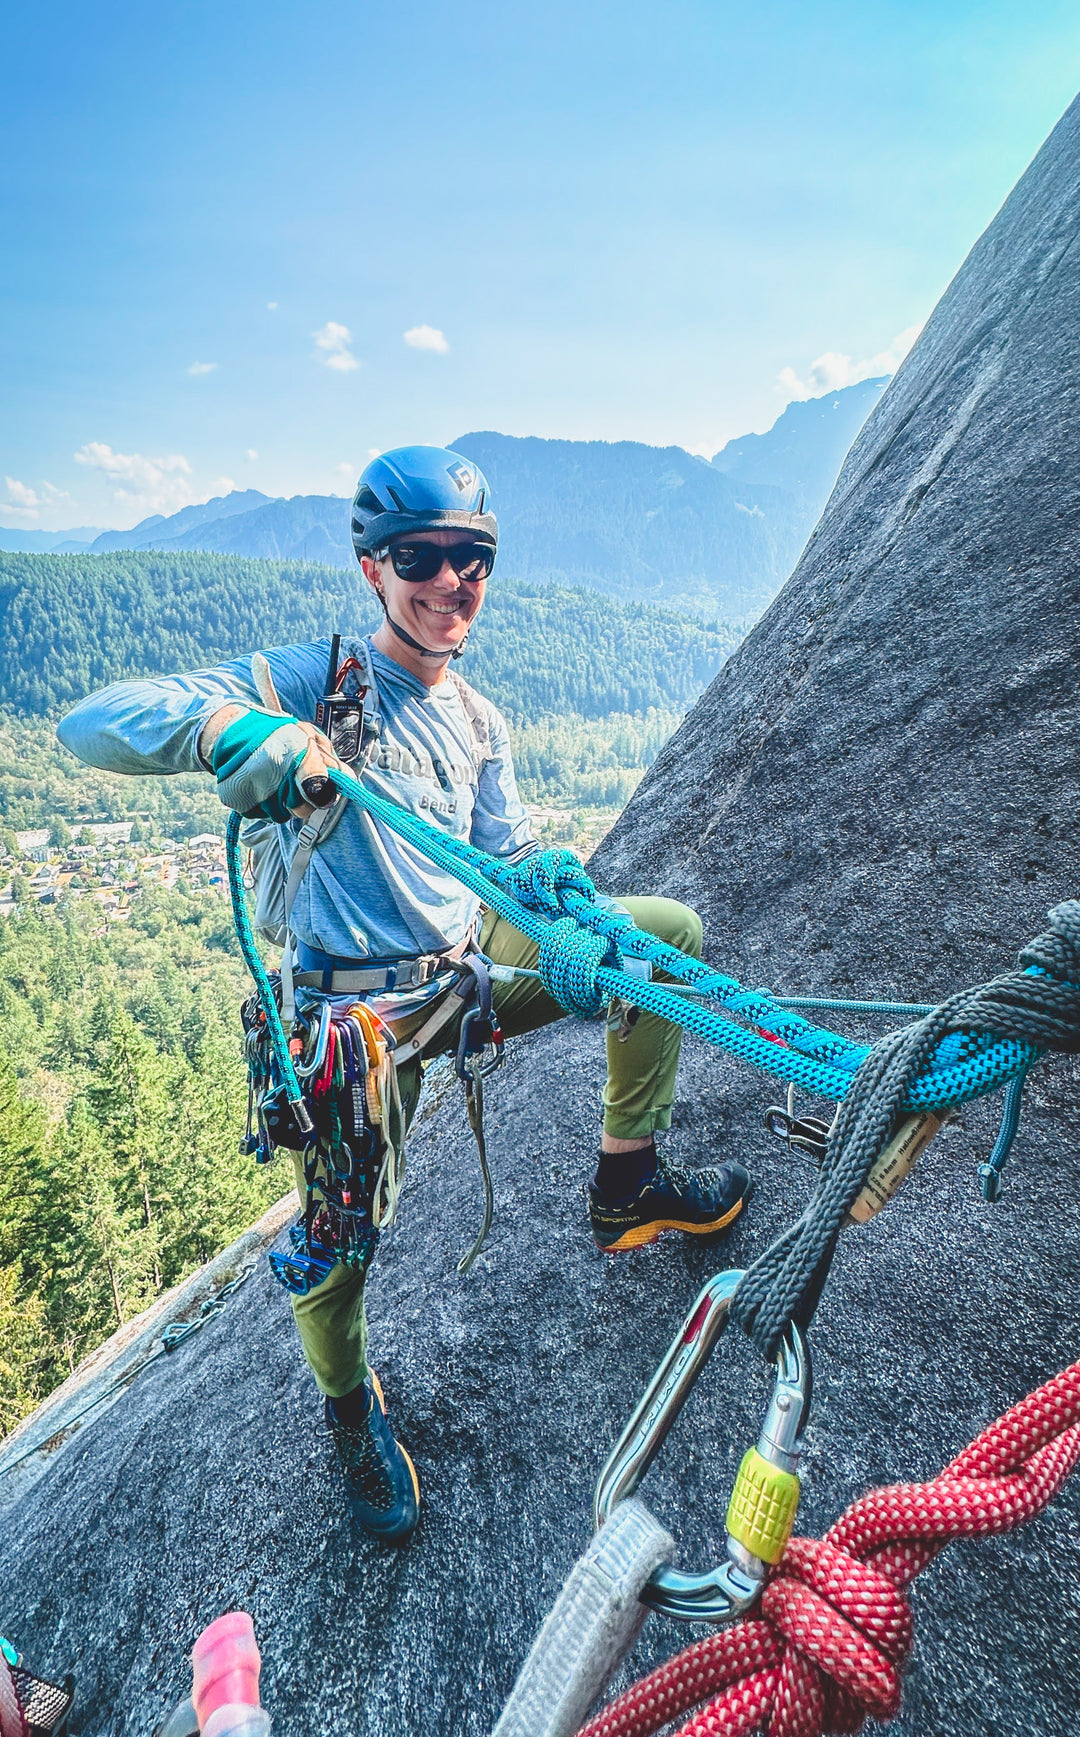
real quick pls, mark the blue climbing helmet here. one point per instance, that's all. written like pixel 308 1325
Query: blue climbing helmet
pixel 420 488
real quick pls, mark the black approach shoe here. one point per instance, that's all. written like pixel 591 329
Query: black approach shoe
pixel 697 1201
pixel 383 1489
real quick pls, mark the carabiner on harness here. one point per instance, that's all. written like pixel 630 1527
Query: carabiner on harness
pixel 761 1512
pixel 479 1053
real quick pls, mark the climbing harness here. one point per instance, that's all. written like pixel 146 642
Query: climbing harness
pixel 304 1090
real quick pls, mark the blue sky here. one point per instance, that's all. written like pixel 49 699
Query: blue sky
pixel 596 220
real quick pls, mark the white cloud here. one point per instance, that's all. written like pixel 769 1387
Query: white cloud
pixel 252 454
pixel 334 340
pixel 202 367
pixel 426 338
pixel 27 504
pixel 160 485
pixel 22 495
pixel 271 306
pixel 834 370
pixel 346 468
pixel 22 499
pixel 374 451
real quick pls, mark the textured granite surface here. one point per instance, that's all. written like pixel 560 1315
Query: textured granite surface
pixel 879 795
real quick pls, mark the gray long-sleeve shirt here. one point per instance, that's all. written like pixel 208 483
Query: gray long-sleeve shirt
pixel 367 894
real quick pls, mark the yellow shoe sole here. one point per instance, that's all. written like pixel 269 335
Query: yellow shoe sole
pixel 643 1234
pixel 376 1387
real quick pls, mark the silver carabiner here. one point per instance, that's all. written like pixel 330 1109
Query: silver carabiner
pixel 318 1059
pixel 766 1479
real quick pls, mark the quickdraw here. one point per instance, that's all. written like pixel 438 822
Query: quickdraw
pixel 341 1053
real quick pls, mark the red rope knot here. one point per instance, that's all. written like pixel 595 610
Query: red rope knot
pixel 848 1630
pixel 834 1628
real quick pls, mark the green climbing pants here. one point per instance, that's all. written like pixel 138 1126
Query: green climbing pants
pixel 637 1102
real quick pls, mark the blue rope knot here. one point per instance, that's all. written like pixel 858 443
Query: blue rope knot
pixel 570 958
pixel 541 881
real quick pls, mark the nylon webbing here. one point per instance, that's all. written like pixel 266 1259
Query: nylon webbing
pixel 590 1630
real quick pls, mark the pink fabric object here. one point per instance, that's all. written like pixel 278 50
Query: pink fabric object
pixel 225 1661
pixel 12 1720
pixel 237 1721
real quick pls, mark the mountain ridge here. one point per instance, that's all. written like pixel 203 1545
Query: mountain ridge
pixel 620 517
pixel 805 447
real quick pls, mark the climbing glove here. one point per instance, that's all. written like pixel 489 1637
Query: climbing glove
pixel 256 760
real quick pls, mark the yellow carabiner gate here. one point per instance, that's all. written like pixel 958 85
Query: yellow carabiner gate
pixel 766 1494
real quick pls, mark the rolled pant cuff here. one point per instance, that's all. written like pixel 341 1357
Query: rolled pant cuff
pixel 638 1127
pixel 335 1390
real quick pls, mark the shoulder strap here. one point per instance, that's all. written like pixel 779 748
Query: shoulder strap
pixel 315 831
pixel 479 725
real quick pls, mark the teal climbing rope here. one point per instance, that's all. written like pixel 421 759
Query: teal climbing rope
pixel 550 898
pixel 582 949
pixel 285 1071
pixel 980 1038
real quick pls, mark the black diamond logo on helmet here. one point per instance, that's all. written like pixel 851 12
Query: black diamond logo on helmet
pixel 462 475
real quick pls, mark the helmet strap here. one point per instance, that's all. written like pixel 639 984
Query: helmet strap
pixel 408 639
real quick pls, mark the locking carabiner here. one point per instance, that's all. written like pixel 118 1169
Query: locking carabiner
pixel 766 1494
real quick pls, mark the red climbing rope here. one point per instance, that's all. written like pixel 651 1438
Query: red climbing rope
pixel 834 1626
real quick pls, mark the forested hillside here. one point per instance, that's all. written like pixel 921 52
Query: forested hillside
pixel 70 623
pixel 122 1096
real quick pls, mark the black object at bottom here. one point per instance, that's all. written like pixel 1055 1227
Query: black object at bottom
pixel 46 1706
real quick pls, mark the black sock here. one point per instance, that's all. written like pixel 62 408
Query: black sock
pixel 619 1175
pixel 351 1407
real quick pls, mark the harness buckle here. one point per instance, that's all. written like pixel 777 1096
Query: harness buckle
pixel 765 1497
pixel 806 1134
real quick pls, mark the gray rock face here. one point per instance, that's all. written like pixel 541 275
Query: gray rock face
pixel 878 794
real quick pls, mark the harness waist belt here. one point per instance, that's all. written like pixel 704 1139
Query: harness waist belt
pixel 402 974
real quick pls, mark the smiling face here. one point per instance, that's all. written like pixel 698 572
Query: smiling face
pixel 437 613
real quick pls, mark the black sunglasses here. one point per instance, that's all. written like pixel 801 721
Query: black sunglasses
pixel 418 562
pixel 421 561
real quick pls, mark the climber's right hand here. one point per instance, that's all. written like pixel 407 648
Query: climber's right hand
pixel 263 760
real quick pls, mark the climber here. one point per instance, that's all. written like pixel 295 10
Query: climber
pixel 370 917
